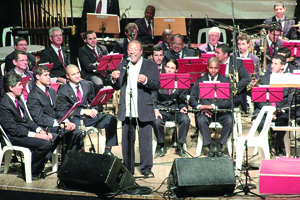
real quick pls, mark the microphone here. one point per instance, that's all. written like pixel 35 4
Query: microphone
pixel 128 60
pixel 132 34
pixel 81 127
pixel 206 20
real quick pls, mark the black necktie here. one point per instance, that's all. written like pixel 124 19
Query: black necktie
pixel 212 78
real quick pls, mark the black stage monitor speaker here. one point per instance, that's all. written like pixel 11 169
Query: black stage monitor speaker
pixel 193 177
pixel 94 173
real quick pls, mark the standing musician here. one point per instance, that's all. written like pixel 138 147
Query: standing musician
pixel 170 99
pixel 76 90
pixel 285 23
pixel 222 53
pixel 281 116
pixel 207 107
pixel 137 79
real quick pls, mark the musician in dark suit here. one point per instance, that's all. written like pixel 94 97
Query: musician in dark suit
pixel 222 53
pixel 90 6
pixel 285 23
pixel 207 106
pixel 170 99
pixel 288 67
pixel 274 43
pixel 214 35
pixel 177 50
pixel 57 55
pixel 132 32
pixel 20 61
pixel 80 90
pixel 90 56
pixel 42 106
pixel 143 78
pixel 281 116
pixel 146 27
pixel 21 130
pixel 157 56
pixel 20 45
pixel 167 36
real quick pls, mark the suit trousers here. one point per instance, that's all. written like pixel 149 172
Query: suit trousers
pixel 145 144
pixel 39 147
pixel 225 119
pixel 182 119
pixel 106 121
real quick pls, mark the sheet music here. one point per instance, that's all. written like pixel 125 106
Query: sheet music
pixel 286 78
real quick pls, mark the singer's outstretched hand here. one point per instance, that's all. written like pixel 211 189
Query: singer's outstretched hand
pixel 115 74
pixel 142 78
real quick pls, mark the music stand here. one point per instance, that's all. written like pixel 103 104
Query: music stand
pixel 49 65
pixel 55 85
pixel 206 56
pixel 249 65
pixel 66 116
pixel 24 82
pixel 110 62
pixel 267 94
pixel 176 24
pixel 103 23
pixel 175 81
pixel 293 46
pixel 102 97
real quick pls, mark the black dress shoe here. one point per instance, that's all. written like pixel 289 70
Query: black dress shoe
pixel 148 174
pixel 161 152
pixel 181 153
pixel 211 153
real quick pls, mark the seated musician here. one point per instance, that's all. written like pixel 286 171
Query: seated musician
pixel 281 116
pixel 167 36
pixel 90 56
pixel 243 41
pixel 273 43
pixel 20 45
pixel 165 99
pixel 146 28
pixel 214 35
pixel 207 107
pixel 20 129
pixel 42 105
pixel 157 56
pixel 76 90
pixel 56 54
pixel 284 22
pixel 178 51
pixel 132 33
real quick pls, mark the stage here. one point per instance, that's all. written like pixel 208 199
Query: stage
pixel 12 187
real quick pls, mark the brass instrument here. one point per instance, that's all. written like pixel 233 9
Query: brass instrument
pixel 263 49
pixel 254 82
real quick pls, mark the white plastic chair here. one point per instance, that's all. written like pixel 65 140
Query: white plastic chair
pixel 4 34
pixel 237 128
pixel 2 68
pixel 205 32
pixel 8 149
pixel 212 125
pixel 168 125
pixel 262 140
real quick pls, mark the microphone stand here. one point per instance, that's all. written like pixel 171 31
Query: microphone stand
pixel 83 130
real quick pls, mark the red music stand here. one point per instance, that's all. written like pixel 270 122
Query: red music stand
pixel 194 69
pixel 110 62
pixel 71 111
pixel 222 70
pixel 267 94
pixel 206 56
pixel 214 90
pixel 293 46
pixel 24 82
pixel 55 86
pixel 102 97
pixel 49 65
pixel 249 65
pixel 175 81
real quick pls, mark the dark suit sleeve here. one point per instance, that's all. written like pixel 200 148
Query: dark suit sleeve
pixel 244 77
pixel 9 65
pixel 153 82
pixel 85 60
pixel 83 16
pixel 118 48
pixel 194 96
pixel 154 96
pixel 182 99
pixel 36 110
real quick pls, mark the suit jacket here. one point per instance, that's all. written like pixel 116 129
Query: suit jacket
pixel 163 46
pixel 195 100
pixel 121 47
pixel 49 55
pixel 87 59
pixel 89 6
pixel 244 76
pixel 13 124
pixel 277 46
pixel 143 32
pixel 162 99
pixel 40 108
pixel 67 98
pixel 9 65
pixel 185 53
pixel 206 48
pixel 145 102
pixel 288 31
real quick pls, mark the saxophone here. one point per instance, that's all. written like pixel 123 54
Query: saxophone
pixel 263 51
